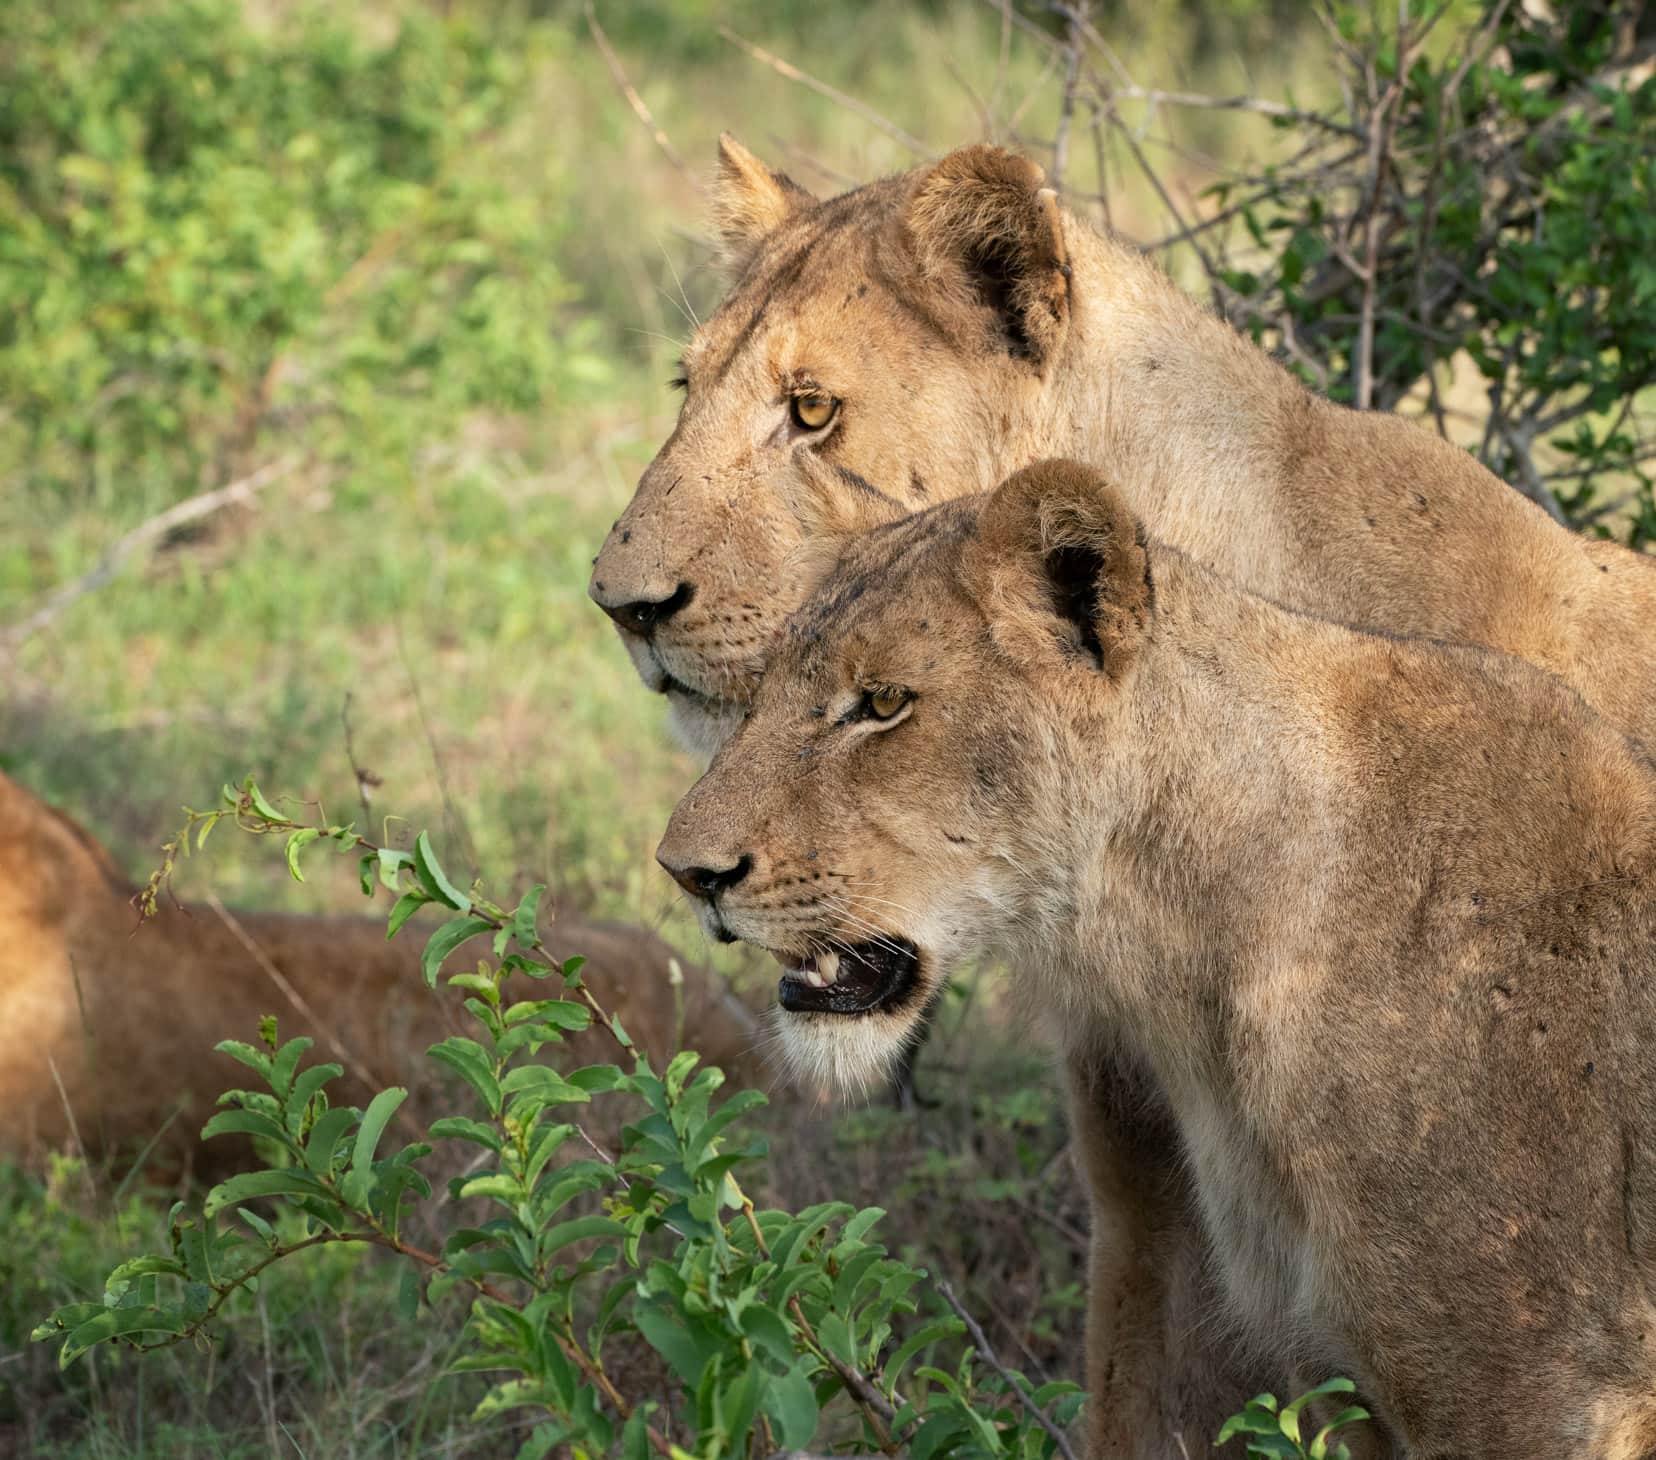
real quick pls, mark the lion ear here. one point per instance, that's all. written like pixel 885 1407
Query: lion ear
pixel 750 201
pixel 1061 560
pixel 982 227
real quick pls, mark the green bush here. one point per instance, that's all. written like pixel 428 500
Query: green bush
pixel 769 1328
pixel 210 232
pixel 1486 196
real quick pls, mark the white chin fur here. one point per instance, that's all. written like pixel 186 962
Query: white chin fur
pixel 701 728
pixel 850 1055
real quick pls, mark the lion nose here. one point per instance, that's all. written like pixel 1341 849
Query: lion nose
pixel 706 882
pixel 640 615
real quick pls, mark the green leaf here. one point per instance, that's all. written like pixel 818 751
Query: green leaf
pixel 560 1013
pixel 391 862
pixel 461 1128
pixel 118 1323
pixel 374 1120
pixel 296 844
pixel 791 1402
pixel 246 1123
pixel 237 1189
pixel 769 1332
pixel 402 910
pixel 260 805
pixel 556 1238
pixel 445 940
pixel 408 1293
pixel 467 1059
pixel 267 1233
pixel 525 927
pixel 930 1333
pixel 325 1137
pixel 543 1081
pixel 430 872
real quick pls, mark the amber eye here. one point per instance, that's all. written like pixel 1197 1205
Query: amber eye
pixel 882 704
pixel 812 412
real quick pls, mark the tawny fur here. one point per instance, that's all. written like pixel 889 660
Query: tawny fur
pixel 1376 916
pixel 107 1028
pixel 969 326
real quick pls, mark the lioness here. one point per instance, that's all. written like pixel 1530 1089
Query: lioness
pixel 1378 914
pixel 107 1028
pixel 918 339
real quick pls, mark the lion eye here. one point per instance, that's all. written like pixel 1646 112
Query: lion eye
pixel 882 704
pixel 812 412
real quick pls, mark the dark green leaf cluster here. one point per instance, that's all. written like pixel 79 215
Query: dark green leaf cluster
pixel 1275 1433
pixel 774 1327
pixel 1488 203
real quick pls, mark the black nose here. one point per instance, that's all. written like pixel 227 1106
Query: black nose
pixel 642 615
pixel 709 882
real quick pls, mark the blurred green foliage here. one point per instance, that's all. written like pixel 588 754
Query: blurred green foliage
pixel 207 228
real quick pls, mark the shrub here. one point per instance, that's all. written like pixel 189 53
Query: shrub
pixel 770 1328
pixel 207 229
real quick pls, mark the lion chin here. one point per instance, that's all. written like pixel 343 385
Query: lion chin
pixel 850 1057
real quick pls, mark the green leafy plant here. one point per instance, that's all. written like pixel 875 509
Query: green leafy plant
pixel 1480 203
pixel 768 1326
pixel 1274 1433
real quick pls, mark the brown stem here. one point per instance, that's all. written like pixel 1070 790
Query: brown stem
pixel 1031 1408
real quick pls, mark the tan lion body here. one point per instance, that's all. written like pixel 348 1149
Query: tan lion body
pixel 967 325
pixel 1377 915
pixel 107 1028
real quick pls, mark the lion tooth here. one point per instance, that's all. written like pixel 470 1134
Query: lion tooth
pixel 828 968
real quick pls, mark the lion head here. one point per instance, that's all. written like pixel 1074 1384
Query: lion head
pixel 877 353
pixel 878 815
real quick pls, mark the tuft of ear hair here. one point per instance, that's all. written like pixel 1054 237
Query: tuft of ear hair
pixel 750 201
pixel 982 227
pixel 1060 556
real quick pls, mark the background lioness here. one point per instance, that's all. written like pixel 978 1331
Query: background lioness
pixel 1378 914
pixel 918 339
pixel 107 1027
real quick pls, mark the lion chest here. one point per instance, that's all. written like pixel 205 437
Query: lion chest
pixel 1271 1262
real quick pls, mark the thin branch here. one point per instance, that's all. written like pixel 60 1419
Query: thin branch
pixel 144 536
pixel 366 781
pixel 619 75
pixel 1031 1408
pixel 1075 16
pixel 822 88
pixel 1381 124
pixel 1196 101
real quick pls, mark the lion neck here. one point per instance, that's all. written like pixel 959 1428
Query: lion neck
pixel 1165 913
pixel 1193 421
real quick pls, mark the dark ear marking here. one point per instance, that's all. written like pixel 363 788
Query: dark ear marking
pixel 1074 572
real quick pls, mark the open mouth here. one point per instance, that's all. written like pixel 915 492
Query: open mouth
pixel 856 980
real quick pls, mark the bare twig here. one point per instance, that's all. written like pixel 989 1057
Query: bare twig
pixel 1031 1408
pixel 145 535
pixel 1075 16
pixel 619 75
pixel 822 88
pixel 1196 101
pixel 1381 125
pixel 1529 480
pixel 366 781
